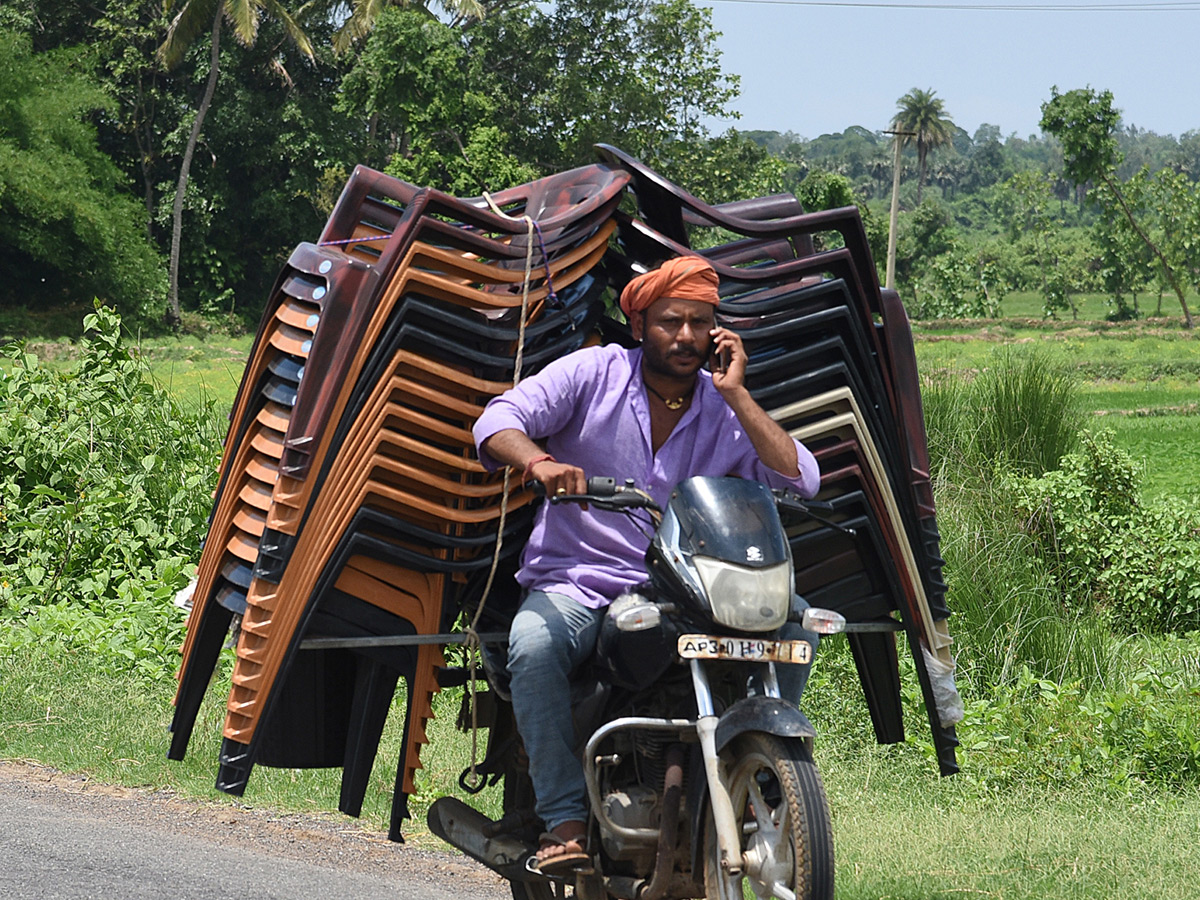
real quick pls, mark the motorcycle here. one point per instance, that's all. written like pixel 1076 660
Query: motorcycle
pixel 700 778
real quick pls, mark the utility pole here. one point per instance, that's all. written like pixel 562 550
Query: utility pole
pixel 890 279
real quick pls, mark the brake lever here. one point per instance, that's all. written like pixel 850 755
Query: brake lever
pixel 790 502
pixel 614 502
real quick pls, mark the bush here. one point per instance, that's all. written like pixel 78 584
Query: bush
pixel 1036 730
pixel 105 489
pixel 69 229
pixel 1136 564
pixel 1020 413
pixel 1006 615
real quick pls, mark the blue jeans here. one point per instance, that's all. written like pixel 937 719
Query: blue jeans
pixel 550 637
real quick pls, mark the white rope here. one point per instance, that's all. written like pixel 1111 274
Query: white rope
pixel 474 648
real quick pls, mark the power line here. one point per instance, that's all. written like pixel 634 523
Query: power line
pixel 1180 6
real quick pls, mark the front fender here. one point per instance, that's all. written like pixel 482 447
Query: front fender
pixel 766 714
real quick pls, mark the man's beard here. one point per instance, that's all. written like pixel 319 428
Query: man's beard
pixel 661 364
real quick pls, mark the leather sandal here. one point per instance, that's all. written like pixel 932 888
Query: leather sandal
pixel 562 863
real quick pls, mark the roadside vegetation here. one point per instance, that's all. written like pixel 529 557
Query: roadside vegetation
pixel 1074 581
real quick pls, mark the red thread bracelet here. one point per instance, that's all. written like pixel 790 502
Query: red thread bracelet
pixel 533 462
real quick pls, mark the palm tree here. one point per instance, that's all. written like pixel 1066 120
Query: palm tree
pixel 191 21
pixel 365 13
pixel 921 119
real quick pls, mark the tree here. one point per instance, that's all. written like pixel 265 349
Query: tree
pixel 272 161
pixel 1059 270
pixel 1086 124
pixel 923 234
pixel 185 29
pixel 1126 265
pixel 1185 157
pixel 825 190
pixel 69 230
pixel 430 125
pixel 950 173
pixel 125 37
pixel 718 169
pixel 986 164
pixel 1175 201
pixel 641 74
pixel 922 120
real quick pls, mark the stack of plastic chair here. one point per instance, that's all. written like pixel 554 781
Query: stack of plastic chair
pixel 371 507
pixel 354 526
pixel 831 358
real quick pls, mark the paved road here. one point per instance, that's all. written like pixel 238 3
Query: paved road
pixel 65 838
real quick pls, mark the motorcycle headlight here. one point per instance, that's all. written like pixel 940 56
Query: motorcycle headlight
pixel 744 598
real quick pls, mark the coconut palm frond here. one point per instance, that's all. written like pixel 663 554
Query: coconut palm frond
pixel 463 9
pixel 244 16
pixel 195 18
pixel 290 25
pixel 363 16
pixel 365 13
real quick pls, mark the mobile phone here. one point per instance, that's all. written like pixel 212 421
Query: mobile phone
pixel 719 361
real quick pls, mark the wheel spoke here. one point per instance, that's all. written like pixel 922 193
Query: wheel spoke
pixel 762 812
pixel 771 821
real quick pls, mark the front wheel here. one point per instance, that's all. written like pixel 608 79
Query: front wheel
pixel 779 802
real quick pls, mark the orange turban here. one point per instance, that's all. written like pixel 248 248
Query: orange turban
pixel 680 278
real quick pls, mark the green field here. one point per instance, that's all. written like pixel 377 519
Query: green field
pixel 1029 304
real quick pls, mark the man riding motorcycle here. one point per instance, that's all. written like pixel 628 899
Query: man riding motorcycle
pixel 651 414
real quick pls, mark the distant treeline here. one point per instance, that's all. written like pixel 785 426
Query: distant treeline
pixel 1089 206
pixel 971 163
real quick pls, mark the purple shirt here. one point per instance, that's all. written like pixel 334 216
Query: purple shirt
pixel 590 409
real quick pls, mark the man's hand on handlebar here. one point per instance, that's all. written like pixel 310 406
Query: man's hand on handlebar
pixel 559 478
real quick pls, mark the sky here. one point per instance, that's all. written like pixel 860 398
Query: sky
pixel 816 68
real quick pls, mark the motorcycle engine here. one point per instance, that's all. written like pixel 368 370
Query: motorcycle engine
pixel 631 807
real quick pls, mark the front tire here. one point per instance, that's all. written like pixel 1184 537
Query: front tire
pixel 780 804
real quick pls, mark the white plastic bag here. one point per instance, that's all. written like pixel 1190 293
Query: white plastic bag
pixel 945 692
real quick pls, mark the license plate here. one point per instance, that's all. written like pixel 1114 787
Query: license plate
pixel 708 646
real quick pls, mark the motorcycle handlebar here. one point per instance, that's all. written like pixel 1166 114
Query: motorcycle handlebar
pixel 605 493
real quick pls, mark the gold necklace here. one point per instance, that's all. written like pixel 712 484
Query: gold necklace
pixel 674 404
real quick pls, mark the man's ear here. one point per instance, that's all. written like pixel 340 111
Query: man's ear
pixel 637 324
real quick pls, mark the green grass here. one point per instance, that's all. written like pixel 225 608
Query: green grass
pixel 1166 446
pixel 196 368
pixel 906 837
